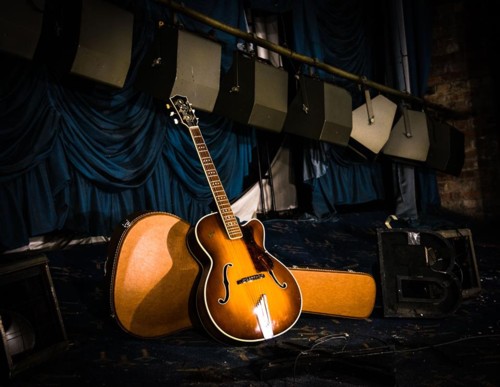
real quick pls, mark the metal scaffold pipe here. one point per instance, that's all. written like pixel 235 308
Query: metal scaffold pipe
pixel 249 37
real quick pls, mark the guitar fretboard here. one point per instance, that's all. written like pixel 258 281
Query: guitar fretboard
pixel 230 222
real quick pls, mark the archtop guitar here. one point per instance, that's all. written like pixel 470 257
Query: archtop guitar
pixel 244 294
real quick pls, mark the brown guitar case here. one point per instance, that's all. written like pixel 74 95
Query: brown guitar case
pixel 336 293
pixel 151 275
pixel 153 280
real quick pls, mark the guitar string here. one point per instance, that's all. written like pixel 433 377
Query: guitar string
pixel 236 271
pixel 186 114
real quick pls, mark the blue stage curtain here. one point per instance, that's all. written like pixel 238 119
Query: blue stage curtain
pixel 349 36
pixel 356 36
pixel 78 156
pixel 416 188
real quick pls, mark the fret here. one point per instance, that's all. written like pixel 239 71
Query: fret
pixel 195 130
pixel 235 234
pixel 188 118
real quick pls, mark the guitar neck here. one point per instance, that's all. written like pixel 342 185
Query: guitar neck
pixel 230 222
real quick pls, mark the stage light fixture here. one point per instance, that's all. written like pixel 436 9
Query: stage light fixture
pixel 183 63
pixel 320 111
pixel 104 47
pixel 409 138
pixel 254 92
pixel 87 38
pixel 20 28
pixel 371 125
pixel 447 147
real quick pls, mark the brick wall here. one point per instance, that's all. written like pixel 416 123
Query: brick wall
pixel 464 78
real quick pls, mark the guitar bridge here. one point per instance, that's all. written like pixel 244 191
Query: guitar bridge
pixel 250 278
pixel 261 310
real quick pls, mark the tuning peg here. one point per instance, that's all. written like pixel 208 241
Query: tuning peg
pixel 176 121
pixel 172 114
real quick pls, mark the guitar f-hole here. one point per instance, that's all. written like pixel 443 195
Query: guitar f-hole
pixel 282 285
pixel 259 318
pixel 224 300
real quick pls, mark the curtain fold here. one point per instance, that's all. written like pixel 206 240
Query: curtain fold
pixel 78 156
pixel 349 36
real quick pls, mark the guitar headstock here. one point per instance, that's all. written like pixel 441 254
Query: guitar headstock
pixel 183 110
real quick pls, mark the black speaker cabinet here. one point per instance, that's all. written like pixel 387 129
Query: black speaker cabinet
pixel 20 27
pixel 409 138
pixel 369 136
pixel 320 111
pixel 181 63
pixel 446 151
pixel 418 274
pixel 254 93
pixel 31 325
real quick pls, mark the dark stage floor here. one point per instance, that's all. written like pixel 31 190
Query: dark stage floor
pixel 459 348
